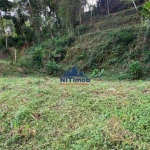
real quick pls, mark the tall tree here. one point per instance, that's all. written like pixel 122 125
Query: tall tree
pixel 70 12
pixel 108 7
pixel 5 6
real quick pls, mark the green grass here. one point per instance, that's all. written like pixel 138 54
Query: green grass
pixel 38 113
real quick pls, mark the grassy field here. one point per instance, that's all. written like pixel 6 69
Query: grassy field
pixel 39 114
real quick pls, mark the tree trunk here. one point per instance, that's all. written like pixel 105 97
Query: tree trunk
pixel 91 14
pixel 80 12
pixel 108 7
pixel 4 32
pixel 33 22
pixel 15 60
pixel 135 5
pixel 6 41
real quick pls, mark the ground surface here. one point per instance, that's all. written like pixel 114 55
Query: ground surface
pixel 39 114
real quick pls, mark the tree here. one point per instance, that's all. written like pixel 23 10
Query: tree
pixel 70 12
pixel 5 6
pixel 103 4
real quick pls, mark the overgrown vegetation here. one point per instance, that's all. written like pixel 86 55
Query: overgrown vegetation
pixel 90 40
pixel 45 57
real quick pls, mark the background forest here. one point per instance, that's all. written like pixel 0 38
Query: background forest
pixel 47 35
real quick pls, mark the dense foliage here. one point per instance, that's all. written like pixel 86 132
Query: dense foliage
pixel 50 28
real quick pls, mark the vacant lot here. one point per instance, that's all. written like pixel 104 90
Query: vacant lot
pixel 39 114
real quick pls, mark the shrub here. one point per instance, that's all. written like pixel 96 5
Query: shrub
pixel 52 68
pixel 60 50
pixel 135 70
pixel 64 41
pixel 123 76
pixel 97 73
pixel 12 41
pixel 29 33
pixel 37 57
pixel 20 43
pixel 125 36
pixel 25 62
pixel 2 42
pixel 146 10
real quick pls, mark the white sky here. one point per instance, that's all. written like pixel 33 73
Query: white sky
pixel 89 1
pixel 92 1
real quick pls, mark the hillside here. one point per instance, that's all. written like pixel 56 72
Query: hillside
pixel 102 33
pixel 110 42
pixel 107 42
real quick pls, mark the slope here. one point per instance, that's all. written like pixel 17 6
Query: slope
pixel 111 41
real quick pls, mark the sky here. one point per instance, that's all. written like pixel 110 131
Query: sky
pixel 89 1
pixel 92 2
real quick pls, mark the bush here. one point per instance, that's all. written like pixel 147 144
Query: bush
pixel 145 10
pixel 125 36
pixel 25 62
pixel 123 76
pixel 37 57
pixel 29 33
pixel 135 70
pixel 12 41
pixel 52 68
pixel 60 50
pixel 96 73
pixel 2 42
pixel 64 41
pixel 20 43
